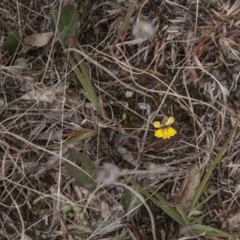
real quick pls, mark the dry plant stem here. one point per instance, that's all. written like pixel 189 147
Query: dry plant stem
pixel 225 92
pixel 90 198
pixel 53 41
pixel 19 16
pixel 44 195
pixel 44 150
pixel 19 213
pixel 141 10
pixel 101 228
pixel 167 92
pixel 119 102
pixel 212 167
pixel 60 155
pixel 196 20
pixel 192 112
pixel 46 216
pixel 171 93
pixel 145 205
pixel 163 170
pixel 142 145
pixel 108 71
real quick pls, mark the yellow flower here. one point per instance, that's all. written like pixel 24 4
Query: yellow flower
pixel 165 130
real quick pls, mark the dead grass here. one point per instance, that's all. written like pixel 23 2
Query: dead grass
pixel 189 70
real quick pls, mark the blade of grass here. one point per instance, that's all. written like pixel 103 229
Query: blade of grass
pixel 163 235
pixel 83 76
pixel 161 202
pixel 208 198
pixel 183 215
pixel 65 24
pixel 170 211
pixel 86 83
pixel 124 27
pixel 209 231
pixel 212 167
pixel 74 140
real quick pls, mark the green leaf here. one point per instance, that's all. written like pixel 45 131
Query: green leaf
pixel 209 231
pixel 74 140
pixel 13 44
pixel 82 175
pixel 161 202
pixel 163 235
pixel 183 215
pixel 169 210
pixel 66 208
pixel 208 198
pixel 84 79
pixel 67 23
pixel 129 201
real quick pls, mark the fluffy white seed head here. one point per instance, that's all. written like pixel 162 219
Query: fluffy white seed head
pixel 143 29
pixel 109 174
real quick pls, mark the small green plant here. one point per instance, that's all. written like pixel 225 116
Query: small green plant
pixel 65 24
pixel 82 175
pixel 13 42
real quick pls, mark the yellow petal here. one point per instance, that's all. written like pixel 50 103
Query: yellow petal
pixel 165 133
pixel 157 124
pixel 171 131
pixel 168 132
pixel 170 121
pixel 159 133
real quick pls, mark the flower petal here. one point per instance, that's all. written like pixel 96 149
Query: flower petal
pixel 170 121
pixel 171 131
pixel 159 133
pixel 165 133
pixel 157 124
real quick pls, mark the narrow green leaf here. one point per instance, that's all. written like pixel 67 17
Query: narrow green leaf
pixel 129 201
pixel 183 215
pixel 67 23
pixel 82 177
pixel 13 44
pixel 124 27
pixel 163 235
pixel 161 202
pixel 66 208
pixel 170 211
pixel 84 79
pixel 209 231
pixel 73 140
pixel 208 198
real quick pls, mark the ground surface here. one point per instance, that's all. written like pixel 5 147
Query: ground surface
pixel 187 66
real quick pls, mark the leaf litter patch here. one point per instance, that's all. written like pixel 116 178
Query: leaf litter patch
pixel 182 64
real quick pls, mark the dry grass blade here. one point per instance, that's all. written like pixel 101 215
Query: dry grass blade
pixel 234 9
